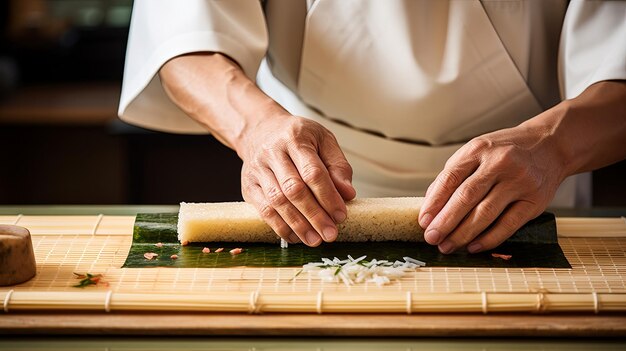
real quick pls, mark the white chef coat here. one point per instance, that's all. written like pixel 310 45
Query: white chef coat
pixel 402 84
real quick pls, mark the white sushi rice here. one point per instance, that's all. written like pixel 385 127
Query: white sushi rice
pixel 369 219
pixel 283 243
pixel 355 271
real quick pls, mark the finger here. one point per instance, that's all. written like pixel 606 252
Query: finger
pixel 317 178
pixel 254 195
pixel 338 167
pixel 513 218
pixel 442 188
pixel 480 218
pixel 298 193
pixel 287 211
pixel 467 195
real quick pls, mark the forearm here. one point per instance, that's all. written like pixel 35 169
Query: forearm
pixel 214 91
pixel 588 132
pixel 293 172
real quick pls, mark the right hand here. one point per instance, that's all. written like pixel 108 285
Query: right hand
pixel 293 172
pixel 297 177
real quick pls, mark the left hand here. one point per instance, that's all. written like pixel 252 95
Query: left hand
pixel 491 187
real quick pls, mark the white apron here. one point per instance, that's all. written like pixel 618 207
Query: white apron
pixel 476 88
pixel 442 68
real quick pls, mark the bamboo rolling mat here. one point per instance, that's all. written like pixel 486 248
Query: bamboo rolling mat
pixel 596 249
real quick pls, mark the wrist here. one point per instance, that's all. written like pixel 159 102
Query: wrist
pixel 589 130
pixel 258 122
pixel 550 141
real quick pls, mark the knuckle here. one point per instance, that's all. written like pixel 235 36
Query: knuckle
pixel 317 215
pixel 343 167
pixel 505 168
pixel 297 129
pixel 508 159
pixel 479 144
pixel 313 174
pixel 282 229
pixel 468 194
pixel 511 222
pixel 248 180
pixel 449 180
pixel 298 225
pixel 292 187
pixel 266 211
pixel 253 165
pixel 488 209
pixel 276 197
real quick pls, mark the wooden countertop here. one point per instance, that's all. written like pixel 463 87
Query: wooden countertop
pixel 431 325
pixel 358 325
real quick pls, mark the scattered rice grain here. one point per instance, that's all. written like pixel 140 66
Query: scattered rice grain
pixel 502 256
pixel 150 255
pixel 236 251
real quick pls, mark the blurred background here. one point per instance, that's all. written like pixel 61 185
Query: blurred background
pixel 61 64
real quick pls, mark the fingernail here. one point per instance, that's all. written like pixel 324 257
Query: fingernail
pixel 340 216
pixel 432 236
pixel 330 233
pixel 475 247
pixel 426 219
pixel 293 238
pixel 446 247
pixel 312 238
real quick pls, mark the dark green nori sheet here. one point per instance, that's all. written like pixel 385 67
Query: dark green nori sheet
pixel 534 245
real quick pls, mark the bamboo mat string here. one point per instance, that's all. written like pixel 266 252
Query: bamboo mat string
pixel 318 305
pixel 541 302
pixel 19 216
pixel 95 227
pixel 409 302
pixel 596 302
pixel 107 301
pixel 485 304
pixel 7 298
pixel 253 308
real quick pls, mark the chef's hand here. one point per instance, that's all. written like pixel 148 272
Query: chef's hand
pixel 499 181
pixel 293 172
pixel 297 177
pixel 507 178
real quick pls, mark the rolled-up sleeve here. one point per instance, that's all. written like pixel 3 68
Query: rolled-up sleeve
pixel 163 29
pixel 593 45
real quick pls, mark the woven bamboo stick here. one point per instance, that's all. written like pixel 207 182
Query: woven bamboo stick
pixel 73 225
pixel 327 302
pixel 123 225
pixel 591 227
